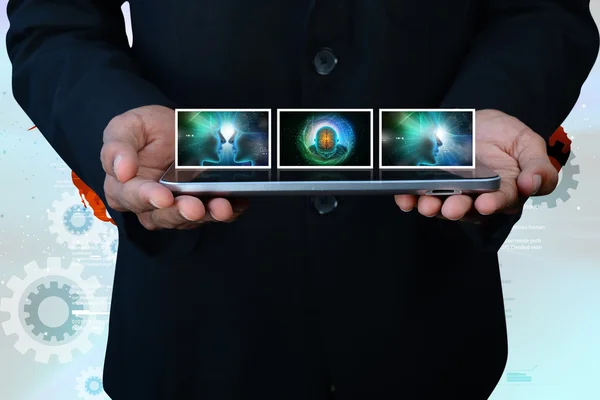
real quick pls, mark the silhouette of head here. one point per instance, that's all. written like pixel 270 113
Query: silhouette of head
pixel 209 145
pixel 199 145
pixel 428 149
pixel 326 141
pixel 249 146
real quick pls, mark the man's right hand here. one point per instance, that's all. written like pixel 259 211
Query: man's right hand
pixel 139 146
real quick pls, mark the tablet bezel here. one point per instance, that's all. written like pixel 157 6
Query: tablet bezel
pixel 479 180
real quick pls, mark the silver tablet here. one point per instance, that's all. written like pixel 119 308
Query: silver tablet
pixel 270 182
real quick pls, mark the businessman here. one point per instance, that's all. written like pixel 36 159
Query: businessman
pixel 301 298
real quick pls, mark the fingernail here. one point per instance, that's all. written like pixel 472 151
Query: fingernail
pixel 117 161
pixel 185 216
pixel 405 210
pixel 537 183
pixel 213 216
pixel 154 204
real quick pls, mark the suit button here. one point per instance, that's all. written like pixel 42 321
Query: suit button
pixel 325 61
pixel 325 204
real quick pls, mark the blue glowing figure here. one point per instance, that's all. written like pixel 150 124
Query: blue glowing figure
pixel 250 148
pixel 327 144
pixel 202 146
pixel 428 149
pixel 415 139
pixel 210 138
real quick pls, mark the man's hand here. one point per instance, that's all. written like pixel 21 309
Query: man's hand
pixel 139 146
pixel 512 150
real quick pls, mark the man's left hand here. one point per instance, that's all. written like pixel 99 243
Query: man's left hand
pixel 514 152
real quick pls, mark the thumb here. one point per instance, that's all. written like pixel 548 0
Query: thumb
pixel 538 176
pixel 123 139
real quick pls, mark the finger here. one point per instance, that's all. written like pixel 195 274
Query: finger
pixel 456 207
pixel 538 176
pixel 189 212
pixel 119 160
pixel 474 217
pixel 185 210
pixel 195 224
pixel 239 206
pixel 506 197
pixel 406 202
pixel 429 206
pixel 139 195
pixel 220 209
pixel 123 139
pixel 539 179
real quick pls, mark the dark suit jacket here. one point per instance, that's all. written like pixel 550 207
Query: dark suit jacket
pixel 285 302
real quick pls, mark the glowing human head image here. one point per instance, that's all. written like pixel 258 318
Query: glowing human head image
pixel 199 139
pixel 428 147
pixel 250 147
pixel 209 138
pixel 421 147
pixel 210 148
pixel 202 145
pixel 427 138
pixel 326 141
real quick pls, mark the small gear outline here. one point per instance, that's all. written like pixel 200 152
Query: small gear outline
pixel 29 329
pixel 85 235
pixel 110 245
pixel 89 384
pixel 569 170
pixel 92 389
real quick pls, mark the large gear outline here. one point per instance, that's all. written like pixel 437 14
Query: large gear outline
pixel 89 385
pixel 75 237
pixel 26 335
pixel 110 245
pixel 562 190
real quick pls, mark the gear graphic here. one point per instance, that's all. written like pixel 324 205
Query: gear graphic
pixel 74 223
pixel 89 385
pixel 34 319
pixel 562 190
pixel 35 306
pixel 110 245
